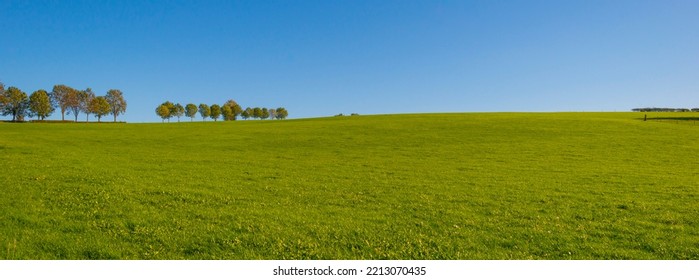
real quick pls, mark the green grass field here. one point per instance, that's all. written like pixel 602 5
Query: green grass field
pixel 429 186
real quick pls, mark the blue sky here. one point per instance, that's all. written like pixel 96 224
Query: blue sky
pixel 321 58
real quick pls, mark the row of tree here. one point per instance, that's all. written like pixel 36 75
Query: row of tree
pixel 655 109
pixel 41 104
pixel 230 111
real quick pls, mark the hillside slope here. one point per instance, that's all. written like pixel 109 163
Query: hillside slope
pixel 428 186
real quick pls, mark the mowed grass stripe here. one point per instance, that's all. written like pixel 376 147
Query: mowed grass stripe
pixel 424 186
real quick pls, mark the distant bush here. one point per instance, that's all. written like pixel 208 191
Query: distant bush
pixel 343 115
pixel 654 109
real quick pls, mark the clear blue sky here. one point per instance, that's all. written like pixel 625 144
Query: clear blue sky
pixel 320 58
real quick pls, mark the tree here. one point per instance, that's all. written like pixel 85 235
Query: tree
pixel 100 107
pixel 227 113
pixel 60 95
pixel 178 111
pixel 281 113
pixel 86 97
pixel 15 103
pixel 265 114
pixel 191 111
pixel 256 112
pixel 40 104
pixel 204 111
pixel 72 100
pixel 236 110
pixel 2 96
pixel 163 111
pixel 116 101
pixel 272 113
pixel 170 110
pixel 247 113
pixel 215 111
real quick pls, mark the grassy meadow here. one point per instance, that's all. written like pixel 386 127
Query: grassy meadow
pixel 424 186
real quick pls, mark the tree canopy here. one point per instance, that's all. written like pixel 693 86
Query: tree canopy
pixel 74 102
pixel 235 110
pixel 215 111
pixel 117 103
pixel 2 94
pixel 87 97
pixel 247 113
pixel 281 113
pixel 229 111
pixel 163 111
pixel 178 111
pixel 100 107
pixel 15 103
pixel 61 96
pixel 69 100
pixel 204 111
pixel 191 111
pixel 256 112
pixel 40 104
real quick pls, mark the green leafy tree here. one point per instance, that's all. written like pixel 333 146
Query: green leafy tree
pixel 236 110
pixel 227 113
pixel 265 114
pixel 61 97
pixel 40 104
pixel 204 111
pixel 247 113
pixel 117 103
pixel 170 106
pixel 178 111
pixel 215 111
pixel 100 107
pixel 16 103
pixel 170 110
pixel 190 111
pixel 85 100
pixel 163 111
pixel 257 113
pixel 281 113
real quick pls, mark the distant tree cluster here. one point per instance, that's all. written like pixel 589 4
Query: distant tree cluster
pixel 230 111
pixel 654 109
pixel 41 104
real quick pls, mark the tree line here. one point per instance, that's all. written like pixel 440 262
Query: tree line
pixel 655 109
pixel 230 111
pixel 41 104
